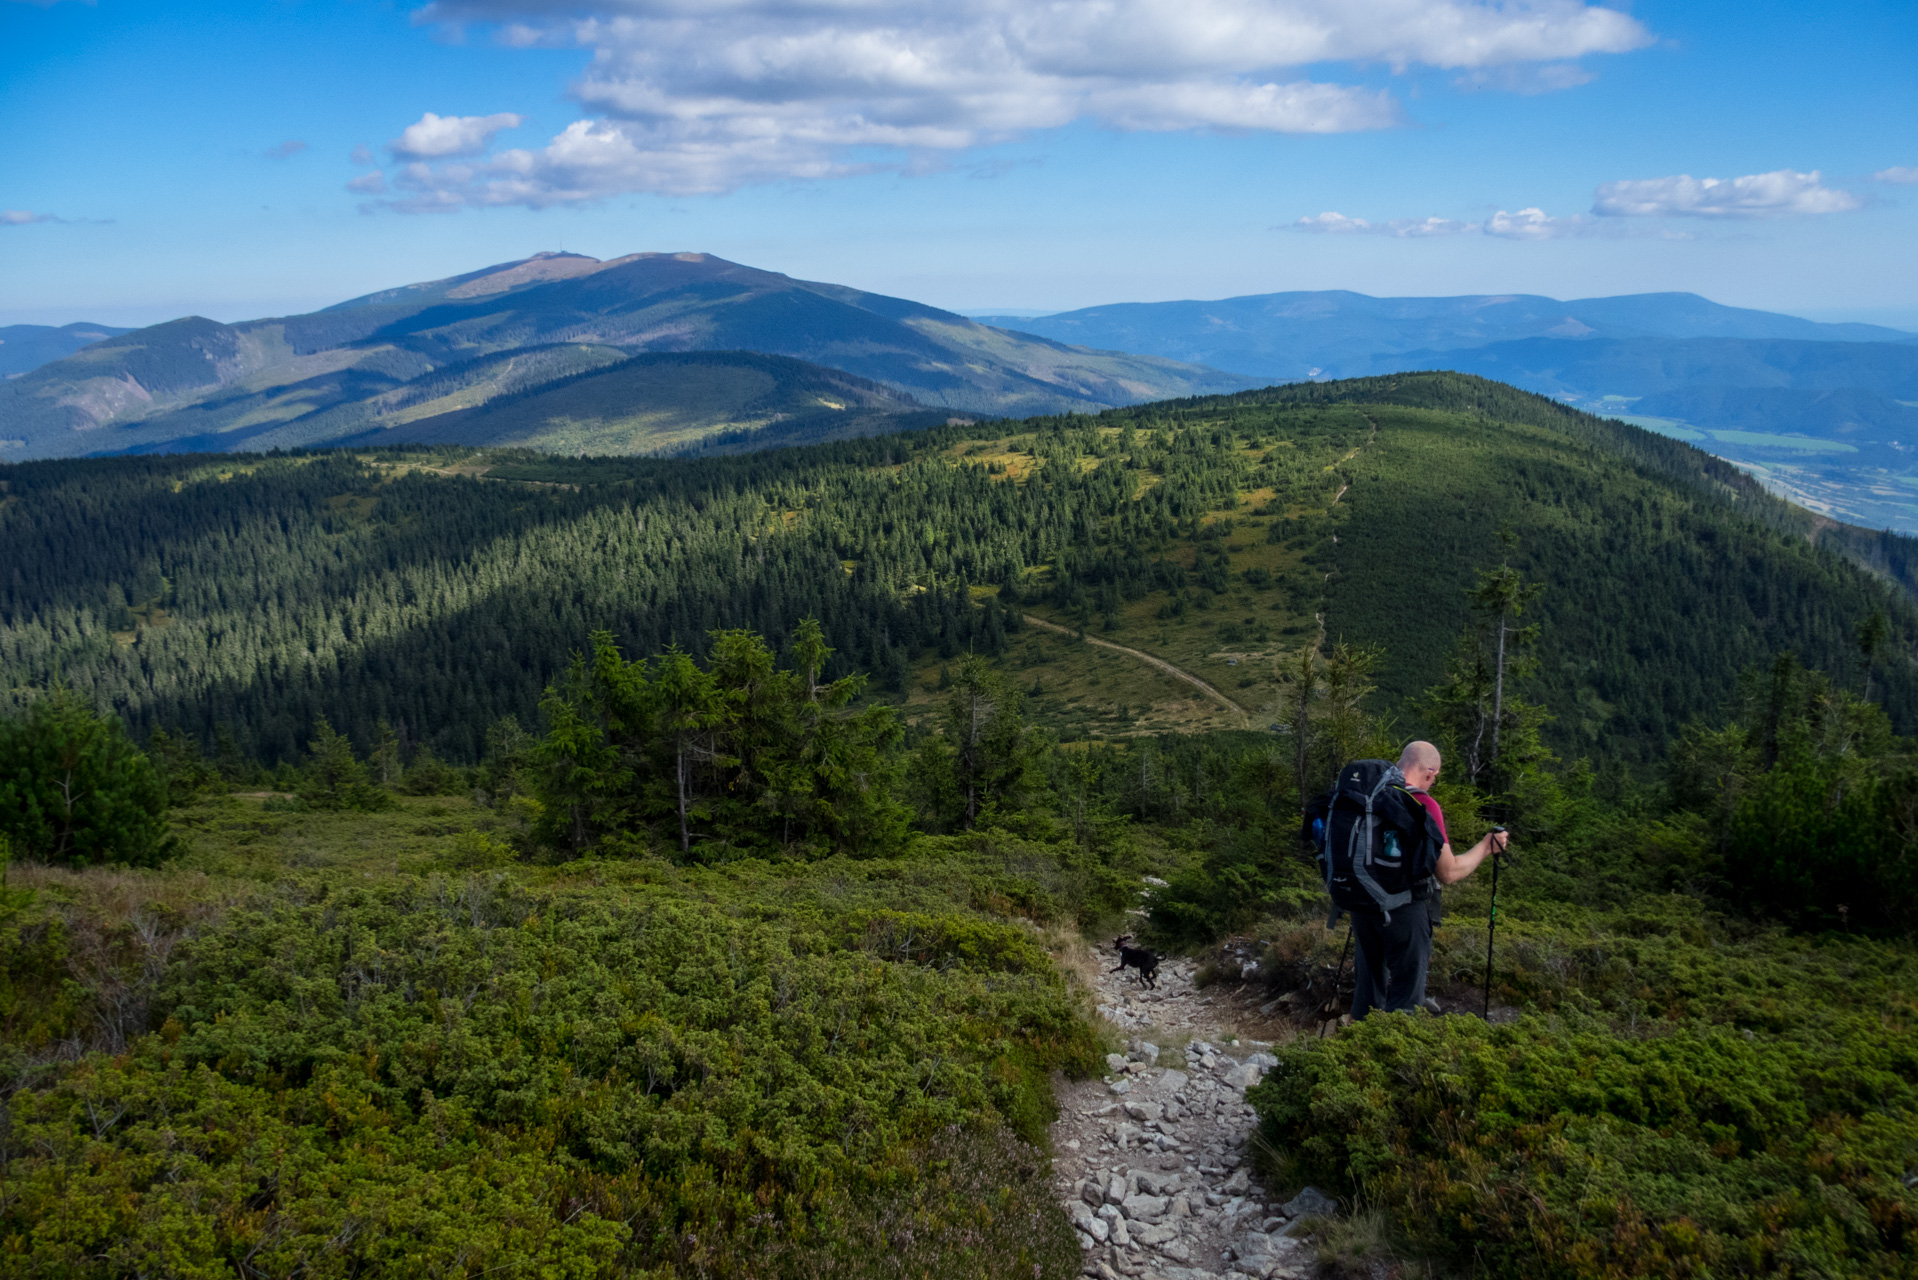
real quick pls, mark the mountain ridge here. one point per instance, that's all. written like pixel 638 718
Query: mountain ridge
pixel 1338 332
pixel 298 366
pixel 25 347
pixel 1211 532
pixel 1823 412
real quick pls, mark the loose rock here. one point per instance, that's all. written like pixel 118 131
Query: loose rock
pixel 1311 1203
pixel 1159 1166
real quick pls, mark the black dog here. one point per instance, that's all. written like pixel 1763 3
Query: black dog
pixel 1137 958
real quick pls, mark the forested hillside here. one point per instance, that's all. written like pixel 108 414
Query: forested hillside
pixel 659 403
pixel 1823 411
pixel 440 591
pixel 644 869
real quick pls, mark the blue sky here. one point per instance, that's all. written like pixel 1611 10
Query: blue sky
pixel 247 158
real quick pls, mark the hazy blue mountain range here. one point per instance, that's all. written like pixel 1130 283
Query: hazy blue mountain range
pixel 447 345
pixel 1832 425
pixel 1594 367
pixel 1289 337
pixel 1825 413
pixel 1846 414
pixel 25 347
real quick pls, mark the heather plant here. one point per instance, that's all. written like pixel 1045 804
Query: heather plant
pixel 1554 1146
pixel 638 1072
pixel 1706 1059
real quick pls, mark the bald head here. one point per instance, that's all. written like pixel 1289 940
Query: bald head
pixel 1420 762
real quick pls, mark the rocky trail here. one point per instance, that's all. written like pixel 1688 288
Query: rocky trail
pixel 1153 1162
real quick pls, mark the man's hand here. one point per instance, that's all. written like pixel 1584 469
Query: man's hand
pixel 1454 867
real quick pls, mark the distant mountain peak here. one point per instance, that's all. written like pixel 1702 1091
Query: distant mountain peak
pixel 456 342
pixel 538 269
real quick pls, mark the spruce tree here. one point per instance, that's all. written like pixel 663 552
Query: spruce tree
pixel 75 790
pixel 334 777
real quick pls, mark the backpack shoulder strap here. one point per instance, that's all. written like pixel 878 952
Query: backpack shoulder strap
pixel 1362 831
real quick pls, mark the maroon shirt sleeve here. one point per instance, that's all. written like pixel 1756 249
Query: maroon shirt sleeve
pixel 1438 814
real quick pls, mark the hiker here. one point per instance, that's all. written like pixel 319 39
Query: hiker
pixel 1394 901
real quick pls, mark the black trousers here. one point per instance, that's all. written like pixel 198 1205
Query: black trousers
pixel 1392 958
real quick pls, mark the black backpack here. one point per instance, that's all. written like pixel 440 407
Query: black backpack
pixel 1377 846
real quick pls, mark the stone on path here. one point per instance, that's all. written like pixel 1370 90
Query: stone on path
pixel 1158 1185
pixel 1311 1203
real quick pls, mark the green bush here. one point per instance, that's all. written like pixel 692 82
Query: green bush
pixel 1824 849
pixel 1548 1148
pixel 75 790
pixel 726 1075
pixel 1812 800
pixel 39 1003
pixel 1049 882
pixel 428 775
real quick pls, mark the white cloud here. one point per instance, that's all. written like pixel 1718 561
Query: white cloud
pixel 434 137
pixel 1782 193
pixel 1332 222
pixel 1274 108
pixel 1526 224
pixel 284 150
pixel 368 184
pixel 361 155
pixel 1534 224
pixel 693 96
pixel 20 217
pixel 1419 228
pixel 1899 173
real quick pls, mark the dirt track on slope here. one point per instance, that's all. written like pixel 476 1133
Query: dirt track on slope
pixel 1158 663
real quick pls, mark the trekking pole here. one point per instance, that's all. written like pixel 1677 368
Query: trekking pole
pixel 1330 1009
pixel 1491 924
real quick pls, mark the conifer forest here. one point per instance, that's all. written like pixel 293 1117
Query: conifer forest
pixel 447 861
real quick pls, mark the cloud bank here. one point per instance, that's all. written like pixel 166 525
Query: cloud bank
pixel 1782 193
pixel 1899 173
pixel 702 96
pixel 1526 224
